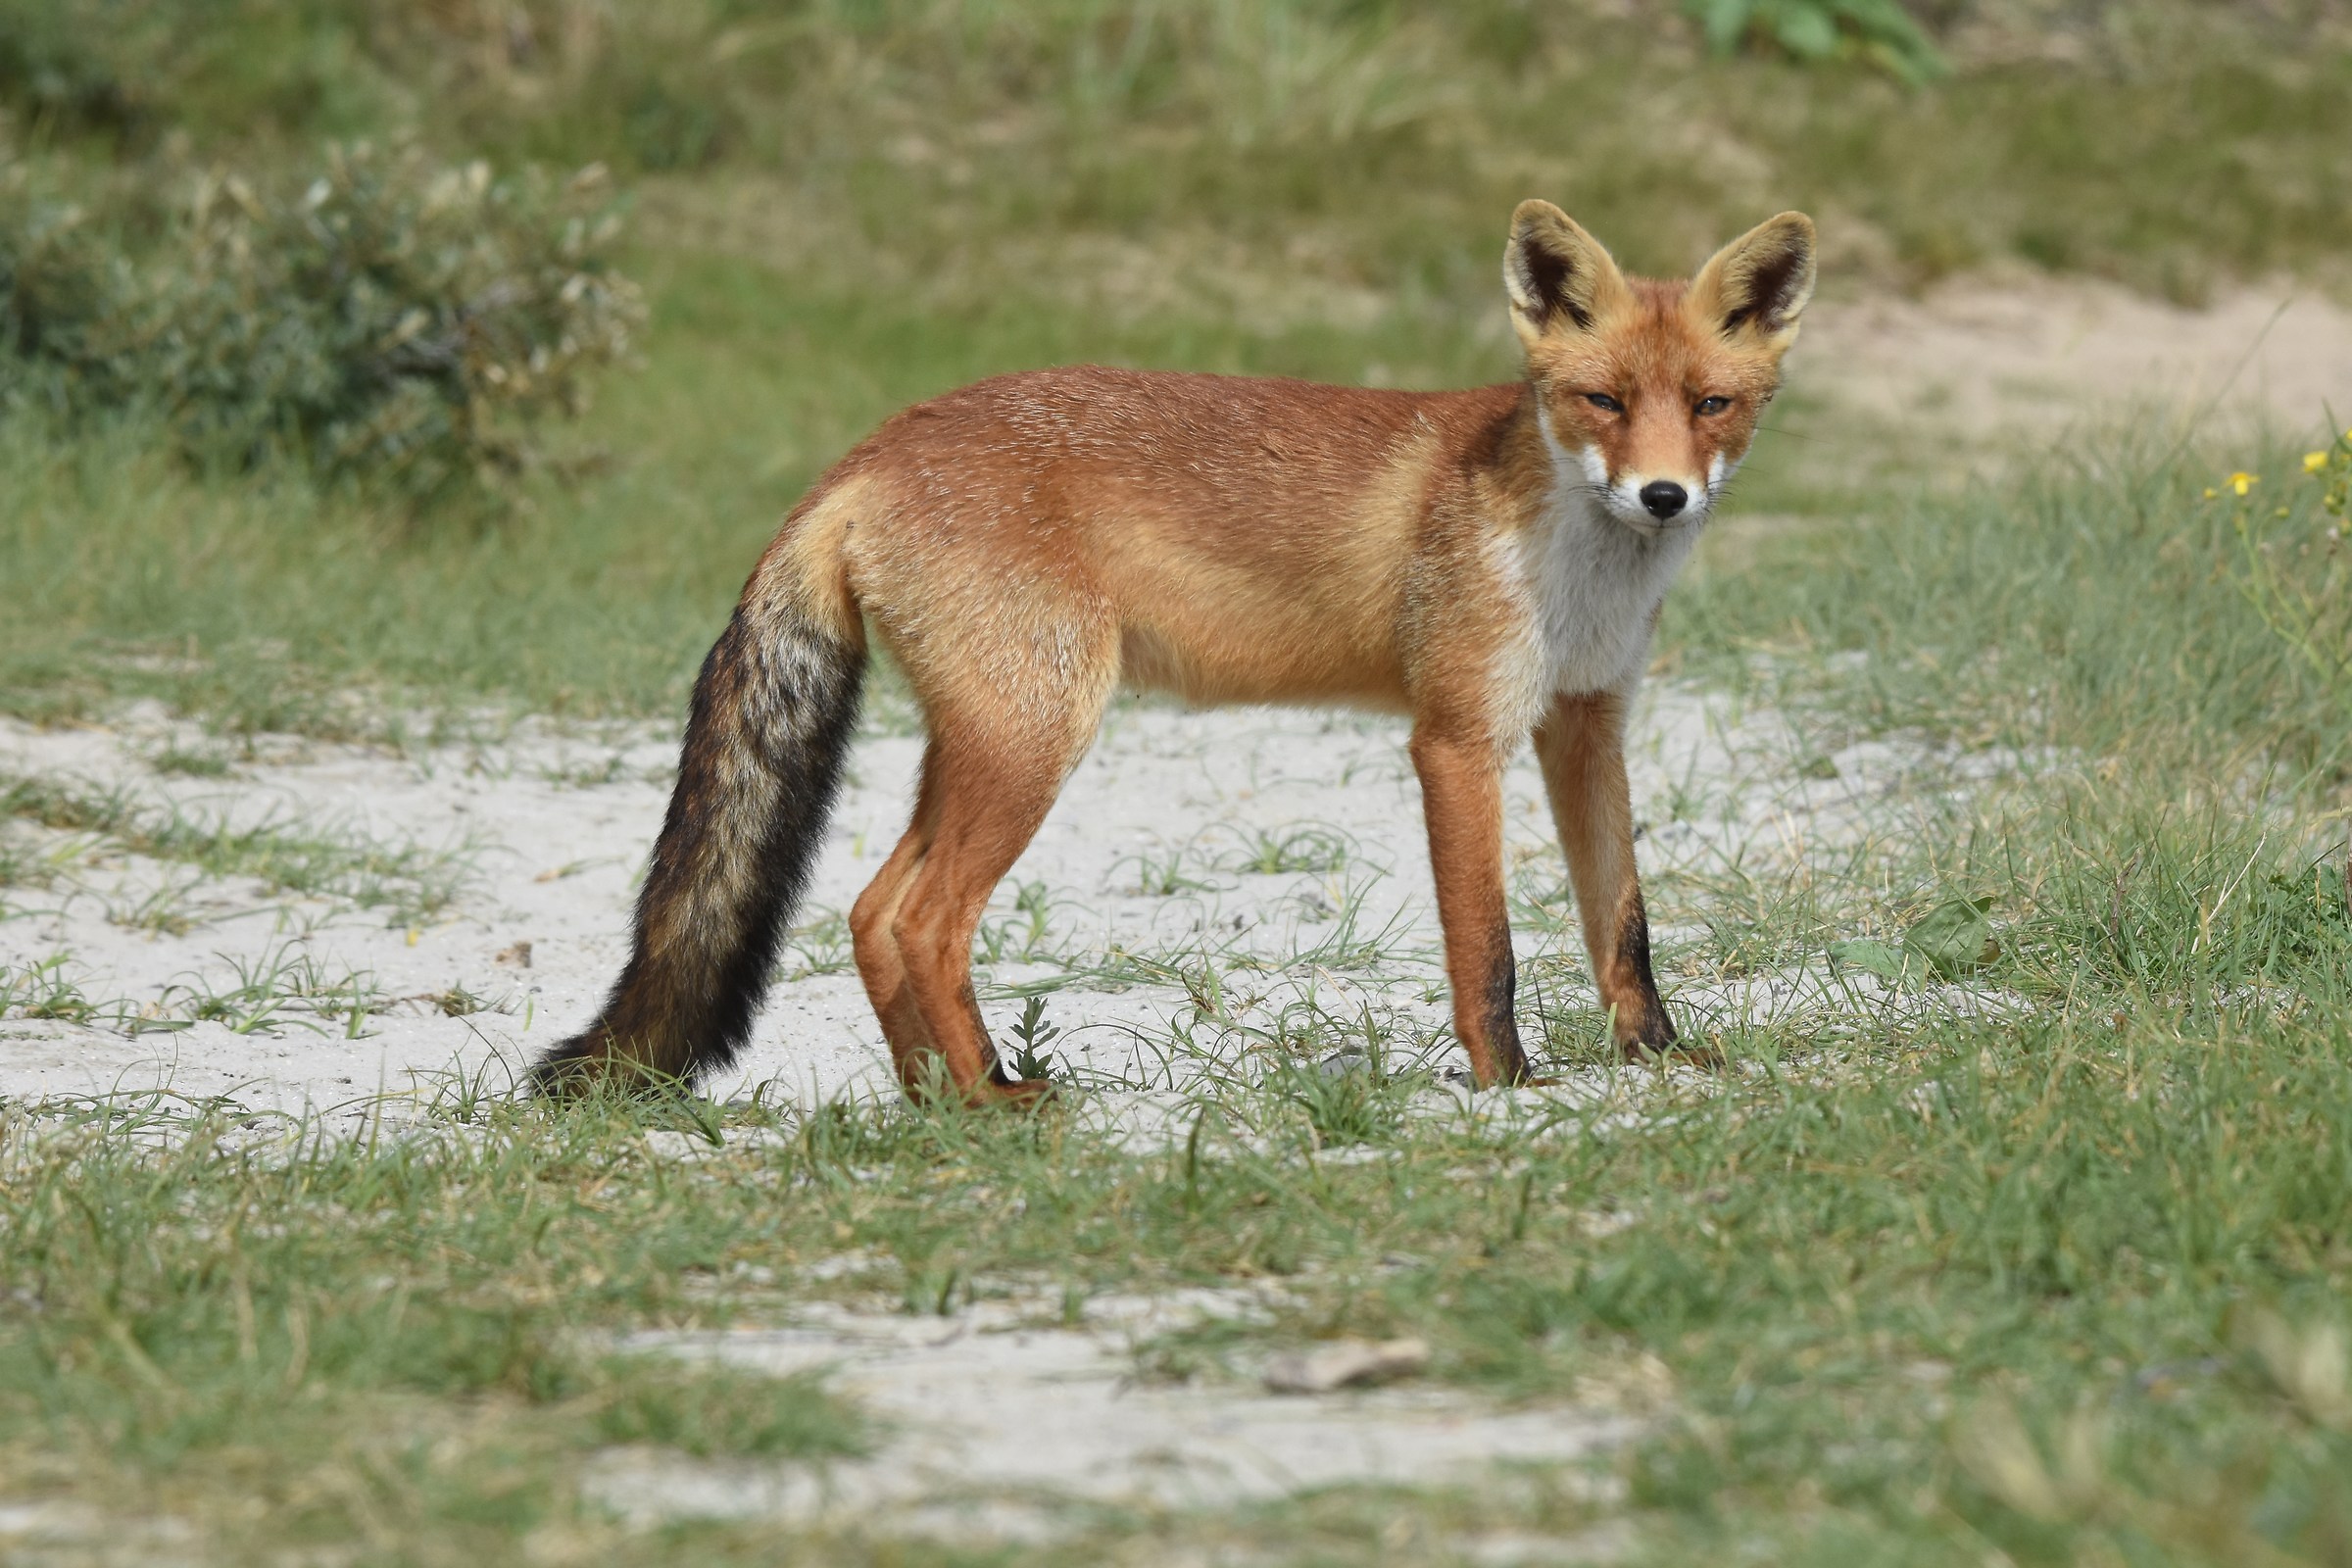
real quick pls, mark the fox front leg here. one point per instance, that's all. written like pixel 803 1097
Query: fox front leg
pixel 1461 797
pixel 1580 745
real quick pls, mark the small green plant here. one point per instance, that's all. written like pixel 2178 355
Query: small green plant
pixel 1031 1060
pixel 407 881
pixel 718 1414
pixel 42 991
pixel 1264 852
pixel 458 1003
pixel 268 989
pixel 1349 1098
pixel 586 775
pixel 1950 942
pixel 1877 30
pixel 17 866
pixel 1164 873
pixel 191 762
pixel 160 913
pixel 1345 940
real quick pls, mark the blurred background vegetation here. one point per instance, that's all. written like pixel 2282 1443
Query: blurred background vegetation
pixel 292 292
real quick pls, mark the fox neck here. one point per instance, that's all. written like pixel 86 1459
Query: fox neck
pixel 1595 582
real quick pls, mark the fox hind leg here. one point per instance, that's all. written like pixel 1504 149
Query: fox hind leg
pixel 992 798
pixel 999 751
pixel 879 964
pixel 915 1054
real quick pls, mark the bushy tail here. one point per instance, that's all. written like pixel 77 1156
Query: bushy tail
pixel 766 741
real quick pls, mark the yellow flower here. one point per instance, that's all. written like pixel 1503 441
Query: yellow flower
pixel 2211 492
pixel 2314 461
pixel 2242 481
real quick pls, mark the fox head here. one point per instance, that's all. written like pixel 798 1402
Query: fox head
pixel 1650 392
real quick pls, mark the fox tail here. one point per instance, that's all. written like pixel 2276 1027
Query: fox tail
pixel 766 739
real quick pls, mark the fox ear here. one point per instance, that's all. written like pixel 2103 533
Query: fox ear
pixel 1759 282
pixel 1558 276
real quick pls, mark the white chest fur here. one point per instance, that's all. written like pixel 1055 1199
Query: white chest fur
pixel 1584 586
pixel 1594 586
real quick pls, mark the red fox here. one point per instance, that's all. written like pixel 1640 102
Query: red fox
pixel 1490 561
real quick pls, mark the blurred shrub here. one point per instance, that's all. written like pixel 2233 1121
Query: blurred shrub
pixel 389 320
pixel 1821 30
pixel 58 284
pixel 53 67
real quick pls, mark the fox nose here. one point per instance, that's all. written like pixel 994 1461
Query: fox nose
pixel 1663 499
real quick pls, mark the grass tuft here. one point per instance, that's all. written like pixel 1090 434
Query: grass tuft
pixel 408 882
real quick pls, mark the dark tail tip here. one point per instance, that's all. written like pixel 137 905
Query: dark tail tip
pixel 571 1069
pixel 590 1066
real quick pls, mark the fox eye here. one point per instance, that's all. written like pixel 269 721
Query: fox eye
pixel 1713 404
pixel 1601 400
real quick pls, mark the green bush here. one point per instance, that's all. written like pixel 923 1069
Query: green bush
pixel 56 282
pixel 388 319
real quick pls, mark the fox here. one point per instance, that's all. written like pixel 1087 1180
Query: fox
pixel 1489 563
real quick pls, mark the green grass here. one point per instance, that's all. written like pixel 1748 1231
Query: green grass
pixel 408 882
pixel 409 1382
pixel 2057 1278
pixel 2103 602
pixel 1863 1276
pixel 269 604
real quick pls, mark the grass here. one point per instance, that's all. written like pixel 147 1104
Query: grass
pixel 1285 850
pixel 286 986
pixel 408 882
pixel 265 605
pixel 2061 1279
pixel 885 138
pixel 398 1385
pixel 1985 627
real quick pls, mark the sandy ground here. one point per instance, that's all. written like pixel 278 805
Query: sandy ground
pixel 1000 1423
pixel 1148 878
pixel 2042 358
pixel 1142 875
